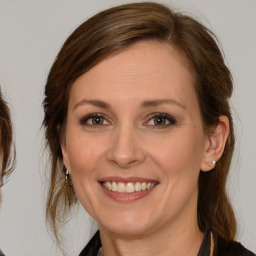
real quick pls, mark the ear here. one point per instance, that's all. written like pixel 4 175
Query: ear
pixel 215 144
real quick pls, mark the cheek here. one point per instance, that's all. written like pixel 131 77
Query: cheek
pixel 180 149
pixel 179 154
pixel 83 154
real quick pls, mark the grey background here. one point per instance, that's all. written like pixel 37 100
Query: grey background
pixel 31 33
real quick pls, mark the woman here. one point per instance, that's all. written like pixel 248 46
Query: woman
pixel 139 128
pixel 6 158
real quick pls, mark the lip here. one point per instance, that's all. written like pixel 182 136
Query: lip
pixel 126 197
pixel 126 180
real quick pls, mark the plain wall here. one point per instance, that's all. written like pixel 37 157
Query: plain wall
pixel 31 34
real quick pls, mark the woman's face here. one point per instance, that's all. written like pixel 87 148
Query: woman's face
pixel 134 125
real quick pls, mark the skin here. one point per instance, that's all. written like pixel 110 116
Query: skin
pixel 134 85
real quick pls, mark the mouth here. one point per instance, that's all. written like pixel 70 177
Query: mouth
pixel 128 187
pixel 127 190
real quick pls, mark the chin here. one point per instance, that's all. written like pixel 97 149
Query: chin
pixel 127 224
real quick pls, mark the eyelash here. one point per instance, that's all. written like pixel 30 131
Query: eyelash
pixel 151 117
pixel 163 116
pixel 84 120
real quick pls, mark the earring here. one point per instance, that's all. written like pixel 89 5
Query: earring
pixel 212 164
pixel 68 176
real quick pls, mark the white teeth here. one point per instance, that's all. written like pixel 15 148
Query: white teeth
pixel 137 186
pixel 114 187
pixel 143 186
pixel 120 187
pixel 129 187
pixel 109 186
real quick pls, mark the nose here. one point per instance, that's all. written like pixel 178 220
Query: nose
pixel 126 148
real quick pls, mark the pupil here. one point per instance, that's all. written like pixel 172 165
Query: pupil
pixel 159 121
pixel 97 120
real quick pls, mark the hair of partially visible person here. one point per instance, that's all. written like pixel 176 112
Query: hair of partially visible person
pixel 7 148
pixel 114 30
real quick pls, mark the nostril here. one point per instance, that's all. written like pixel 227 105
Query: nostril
pixel 124 163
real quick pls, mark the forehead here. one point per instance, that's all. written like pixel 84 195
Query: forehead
pixel 146 68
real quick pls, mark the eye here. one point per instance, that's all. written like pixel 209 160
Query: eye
pixel 94 120
pixel 160 120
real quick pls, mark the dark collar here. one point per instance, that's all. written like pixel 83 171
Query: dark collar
pixel 206 245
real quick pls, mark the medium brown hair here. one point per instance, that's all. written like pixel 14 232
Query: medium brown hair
pixel 6 138
pixel 114 30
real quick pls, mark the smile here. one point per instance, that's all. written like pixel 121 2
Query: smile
pixel 129 187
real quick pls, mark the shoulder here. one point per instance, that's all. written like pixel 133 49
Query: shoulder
pixel 232 249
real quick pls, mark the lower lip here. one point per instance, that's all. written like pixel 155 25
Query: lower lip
pixel 127 197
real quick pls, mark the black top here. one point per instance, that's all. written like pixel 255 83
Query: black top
pixel 224 248
pixel 92 248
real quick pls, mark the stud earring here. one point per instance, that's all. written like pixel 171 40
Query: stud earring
pixel 212 164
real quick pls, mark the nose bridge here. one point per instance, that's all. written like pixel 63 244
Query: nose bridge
pixel 125 149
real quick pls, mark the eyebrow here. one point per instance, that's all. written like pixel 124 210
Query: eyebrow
pixel 96 103
pixel 147 103
pixel 155 103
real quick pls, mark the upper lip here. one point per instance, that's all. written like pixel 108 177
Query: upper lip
pixel 126 180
